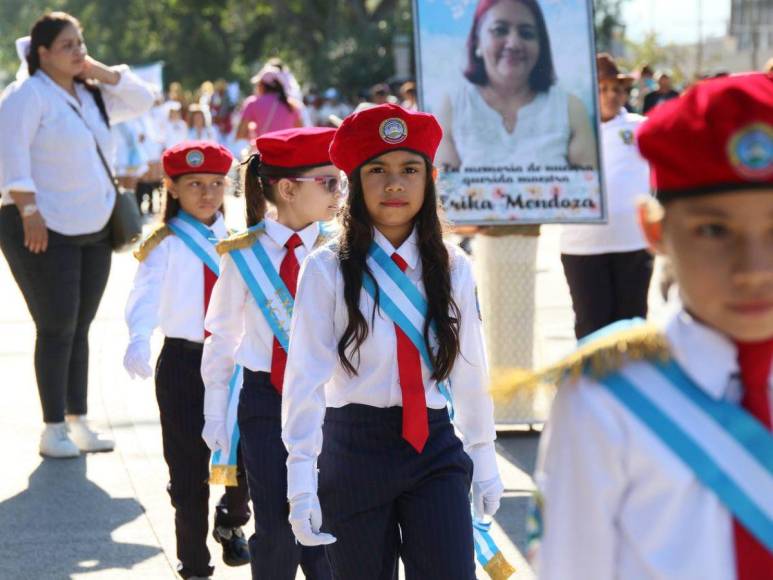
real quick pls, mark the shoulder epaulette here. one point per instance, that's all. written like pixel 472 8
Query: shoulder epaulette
pixel 151 242
pixel 238 241
pixel 596 359
pixel 326 235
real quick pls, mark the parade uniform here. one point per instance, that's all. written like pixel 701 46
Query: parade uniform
pixel 656 461
pixel 171 291
pixel 394 478
pixel 249 331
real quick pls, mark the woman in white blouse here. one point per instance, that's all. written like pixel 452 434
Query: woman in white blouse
pixel 56 203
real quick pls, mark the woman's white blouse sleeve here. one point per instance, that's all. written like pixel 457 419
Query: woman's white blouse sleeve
pixel 142 307
pixel 129 98
pixel 225 322
pixel 310 364
pixel 21 110
pixel 473 407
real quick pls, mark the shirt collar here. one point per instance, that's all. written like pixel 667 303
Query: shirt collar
pixel 218 227
pixel 408 251
pixel 705 354
pixel 621 114
pixel 280 233
pixel 67 96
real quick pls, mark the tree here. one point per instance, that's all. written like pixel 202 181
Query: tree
pixel 608 22
pixel 344 43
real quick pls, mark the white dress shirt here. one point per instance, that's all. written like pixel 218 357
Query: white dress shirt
pixel 239 331
pixel 168 291
pixel 626 178
pixel 47 149
pixel 314 377
pixel 618 503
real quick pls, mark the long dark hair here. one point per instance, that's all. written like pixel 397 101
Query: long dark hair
pixel 43 33
pixel 356 237
pixel 543 74
pixel 277 87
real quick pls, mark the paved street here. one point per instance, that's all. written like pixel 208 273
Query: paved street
pixel 108 516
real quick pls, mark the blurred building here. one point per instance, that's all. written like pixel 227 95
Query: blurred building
pixel 751 24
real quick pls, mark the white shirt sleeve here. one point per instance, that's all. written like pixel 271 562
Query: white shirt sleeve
pixel 310 363
pixel 225 321
pixel 581 476
pixel 473 407
pixel 129 98
pixel 21 111
pixel 142 307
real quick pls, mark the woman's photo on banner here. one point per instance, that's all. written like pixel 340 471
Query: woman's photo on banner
pixel 517 106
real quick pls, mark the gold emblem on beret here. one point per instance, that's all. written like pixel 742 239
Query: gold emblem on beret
pixel 393 130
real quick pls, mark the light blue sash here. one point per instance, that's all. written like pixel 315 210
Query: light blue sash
pixel 267 287
pixel 734 458
pixel 406 306
pixel 232 425
pixel 197 237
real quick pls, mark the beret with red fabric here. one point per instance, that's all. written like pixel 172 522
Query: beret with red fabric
pixel 372 132
pixel 298 149
pixel 716 137
pixel 196 157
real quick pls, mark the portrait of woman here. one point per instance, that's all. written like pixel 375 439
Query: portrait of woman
pixel 508 107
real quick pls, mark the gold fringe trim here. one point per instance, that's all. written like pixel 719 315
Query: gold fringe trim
pixel 596 359
pixel 151 242
pixel 223 475
pixel 498 568
pixel 237 242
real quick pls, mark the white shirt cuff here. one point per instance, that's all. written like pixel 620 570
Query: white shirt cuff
pixel 19 185
pixel 215 404
pixel 484 460
pixel 301 478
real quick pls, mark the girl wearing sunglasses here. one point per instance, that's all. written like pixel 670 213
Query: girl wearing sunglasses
pixel 249 322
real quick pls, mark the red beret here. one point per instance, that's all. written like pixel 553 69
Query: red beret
pixel 718 136
pixel 372 132
pixel 300 148
pixel 196 157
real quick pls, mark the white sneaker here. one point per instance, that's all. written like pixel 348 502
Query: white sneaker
pixel 54 442
pixel 87 440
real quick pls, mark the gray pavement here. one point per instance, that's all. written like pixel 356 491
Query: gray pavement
pixel 108 516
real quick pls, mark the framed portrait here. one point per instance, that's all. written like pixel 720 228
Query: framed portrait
pixel 513 83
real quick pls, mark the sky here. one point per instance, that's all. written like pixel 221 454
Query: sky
pixel 675 20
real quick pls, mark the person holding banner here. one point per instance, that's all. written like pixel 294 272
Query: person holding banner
pixel 385 332
pixel 509 109
pixel 656 461
pixel 178 269
pixel 250 324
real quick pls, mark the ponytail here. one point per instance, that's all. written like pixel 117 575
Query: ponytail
pixel 257 189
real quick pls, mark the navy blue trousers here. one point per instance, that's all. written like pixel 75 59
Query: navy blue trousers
pixel 180 395
pixel 274 554
pixel 381 499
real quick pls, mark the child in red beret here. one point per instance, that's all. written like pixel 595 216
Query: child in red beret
pixel 385 328
pixel 658 461
pixel 178 268
pixel 249 320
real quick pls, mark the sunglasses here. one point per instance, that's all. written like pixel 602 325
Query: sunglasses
pixel 331 183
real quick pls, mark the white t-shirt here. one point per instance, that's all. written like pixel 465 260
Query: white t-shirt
pixel 47 149
pixel 626 177
pixel 541 133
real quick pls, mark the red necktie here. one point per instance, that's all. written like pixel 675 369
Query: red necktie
pixel 209 282
pixel 288 271
pixel 415 428
pixel 754 358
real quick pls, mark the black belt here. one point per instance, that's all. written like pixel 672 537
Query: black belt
pixel 183 344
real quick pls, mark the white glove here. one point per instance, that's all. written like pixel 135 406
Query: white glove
pixel 136 361
pixel 306 519
pixel 215 435
pixel 485 497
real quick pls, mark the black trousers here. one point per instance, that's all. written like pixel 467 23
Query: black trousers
pixel 62 288
pixel 381 499
pixel 180 395
pixel 606 288
pixel 274 554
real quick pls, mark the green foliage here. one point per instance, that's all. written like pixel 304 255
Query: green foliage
pixel 608 23
pixel 344 43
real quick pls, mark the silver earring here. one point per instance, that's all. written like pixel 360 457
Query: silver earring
pixel 478 52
